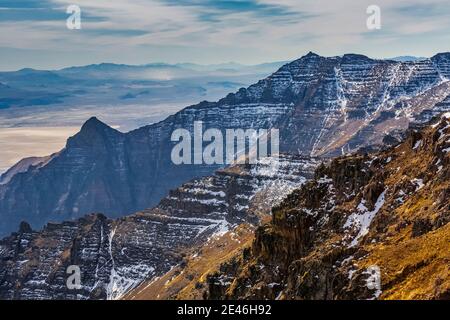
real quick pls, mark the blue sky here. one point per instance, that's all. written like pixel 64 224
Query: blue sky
pixel 34 33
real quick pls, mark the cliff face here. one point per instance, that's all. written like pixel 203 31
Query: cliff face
pixel 115 256
pixel 367 227
pixel 322 106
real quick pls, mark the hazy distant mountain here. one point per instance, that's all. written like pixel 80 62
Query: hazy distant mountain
pixel 14 97
pixel 108 84
pixel 269 67
pixel 407 58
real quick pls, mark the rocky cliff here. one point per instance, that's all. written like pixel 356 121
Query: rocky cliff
pixel 115 256
pixel 369 226
pixel 322 106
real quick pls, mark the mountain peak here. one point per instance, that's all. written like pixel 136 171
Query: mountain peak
pixel 92 131
pixel 442 55
pixel 93 120
pixel 93 124
pixel 354 57
pixel 25 227
pixel 311 55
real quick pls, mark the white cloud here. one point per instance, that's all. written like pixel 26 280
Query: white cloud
pixel 329 27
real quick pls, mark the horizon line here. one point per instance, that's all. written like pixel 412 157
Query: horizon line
pixel 215 64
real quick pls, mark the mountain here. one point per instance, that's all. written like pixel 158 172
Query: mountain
pixel 407 58
pixel 322 106
pixel 264 67
pixel 115 256
pixel 373 226
pixel 13 97
pixel 22 166
pixel 148 93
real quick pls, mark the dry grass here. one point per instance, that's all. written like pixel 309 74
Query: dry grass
pixel 189 282
pixel 413 268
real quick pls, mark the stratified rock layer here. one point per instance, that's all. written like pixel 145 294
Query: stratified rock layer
pixel 322 106
pixel 114 256
pixel 370 226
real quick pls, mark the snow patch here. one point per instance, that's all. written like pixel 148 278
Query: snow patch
pixel 419 183
pixel 417 145
pixel 362 219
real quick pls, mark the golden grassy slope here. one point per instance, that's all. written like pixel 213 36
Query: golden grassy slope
pixel 188 281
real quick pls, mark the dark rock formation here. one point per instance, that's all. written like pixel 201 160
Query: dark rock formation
pixel 367 227
pixel 115 256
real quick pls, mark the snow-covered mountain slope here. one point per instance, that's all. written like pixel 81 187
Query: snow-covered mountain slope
pixel 115 256
pixel 322 106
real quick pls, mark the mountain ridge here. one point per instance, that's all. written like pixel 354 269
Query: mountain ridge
pixel 117 255
pixel 371 226
pixel 322 106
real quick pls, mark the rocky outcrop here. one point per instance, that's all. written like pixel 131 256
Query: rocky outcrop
pixel 322 106
pixel 114 256
pixel 369 226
